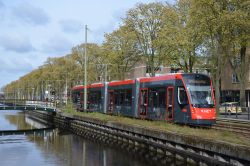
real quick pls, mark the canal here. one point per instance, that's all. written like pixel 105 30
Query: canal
pixel 57 148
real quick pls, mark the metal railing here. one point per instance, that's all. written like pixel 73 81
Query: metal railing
pixel 235 112
pixel 13 102
pixel 40 104
pixel 27 105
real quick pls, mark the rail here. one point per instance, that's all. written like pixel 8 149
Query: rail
pixel 233 125
pixel 232 120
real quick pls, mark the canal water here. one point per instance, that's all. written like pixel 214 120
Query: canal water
pixel 56 148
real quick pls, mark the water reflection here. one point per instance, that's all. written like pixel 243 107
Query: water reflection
pixel 13 120
pixel 70 149
pixel 34 123
pixel 57 148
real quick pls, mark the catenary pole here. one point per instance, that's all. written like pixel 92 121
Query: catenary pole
pixel 85 70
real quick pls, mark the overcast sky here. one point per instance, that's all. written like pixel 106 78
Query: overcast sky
pixel 33 30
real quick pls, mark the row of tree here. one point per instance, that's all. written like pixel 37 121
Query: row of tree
pixel 186 34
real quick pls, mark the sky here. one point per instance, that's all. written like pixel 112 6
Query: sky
pixel 33 30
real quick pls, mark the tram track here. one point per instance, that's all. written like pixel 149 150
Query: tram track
pixel 232 125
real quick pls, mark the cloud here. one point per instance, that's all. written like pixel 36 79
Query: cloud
pixel 15 65
pixel 112 24
pixel 57 45
pixel 71 26
pixel 16 43
pixel 30 14
pixel 107 28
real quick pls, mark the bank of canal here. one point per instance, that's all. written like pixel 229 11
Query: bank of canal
pixel 158 145
pixel 55 148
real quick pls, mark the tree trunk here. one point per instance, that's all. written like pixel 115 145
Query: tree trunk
pixel 191 60
pixel 190 63
pixel 152 65
pixel 244 75
pixel 217 89
pixel 218 76
pixel 186 67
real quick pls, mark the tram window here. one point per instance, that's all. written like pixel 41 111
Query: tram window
pixel 144 97
pixel 99 99
pixel 157 97
pixel 74 97
pixel 128 97
pixel 90 97
pixel 123 97
pixel 182 96
pixel 81 96
pixel 153 98
pixel 117 97
pixel 95 97
pixel 162 97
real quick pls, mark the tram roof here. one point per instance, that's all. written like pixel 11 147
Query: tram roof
pixel 170 76
pixel 94 85
pixel 122 82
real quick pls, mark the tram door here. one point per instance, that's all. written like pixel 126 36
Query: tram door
pixel 111 101
pixel 170 104
pixel 81 108
pixel 143 102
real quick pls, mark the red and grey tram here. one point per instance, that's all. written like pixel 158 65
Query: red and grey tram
pixel 179 98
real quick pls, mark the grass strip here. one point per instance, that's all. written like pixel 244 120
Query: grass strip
pixel 212 134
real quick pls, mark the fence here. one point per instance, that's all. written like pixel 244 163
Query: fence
pixel 235 112
pixel 13 102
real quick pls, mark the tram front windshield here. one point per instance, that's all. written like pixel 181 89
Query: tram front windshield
pixel 199 89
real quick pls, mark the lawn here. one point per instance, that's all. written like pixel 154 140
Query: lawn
pixel 212 134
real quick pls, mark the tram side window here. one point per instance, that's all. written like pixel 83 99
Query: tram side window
pixel 128 97
pixel 153 98
pixel 98 98
pixel 157 97
pixel 182 96
pixel 81 97
pixel 162 97
pixel 117 97
pixel 78 97
pixel 95 97
pixel 123 97
pixel 74 97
